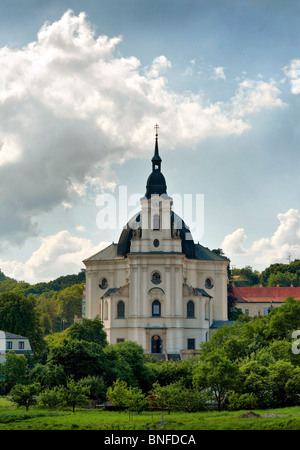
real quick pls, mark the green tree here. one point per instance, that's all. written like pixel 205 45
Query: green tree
pixel 217 374
pixel 254 380
pixel 15 370
pixel 281 322
pixel 25 395
pixel 117 394
pixel 19 315
pixel 127 362
pixel 74 394
pixel 89 330
pixel 70 301
pixel 279 374
pixel 292 387
pixel 96 385
pixel 78 358
pixel 50 397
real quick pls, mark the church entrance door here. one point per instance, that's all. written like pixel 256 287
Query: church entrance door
pixel 156 344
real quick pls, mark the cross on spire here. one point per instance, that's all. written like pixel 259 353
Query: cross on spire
pixel 156 128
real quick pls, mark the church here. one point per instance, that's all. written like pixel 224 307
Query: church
pixel 156 286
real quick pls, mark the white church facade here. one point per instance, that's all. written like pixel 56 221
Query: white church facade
pixel 156 286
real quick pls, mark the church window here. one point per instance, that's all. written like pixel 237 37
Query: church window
pixel 103 284
pixel 190 309
pixel 105 310
pixel 9 345
pixel 209 283
pixel 207 307
pixel 21 345
pixel 191 344
pixel 156 222
pixel 120 310
pixel 120 340
pixel 156 309
pixel 156 242
pixel 156 279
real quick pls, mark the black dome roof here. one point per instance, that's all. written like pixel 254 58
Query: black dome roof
pixel 156 184
pixel 188 245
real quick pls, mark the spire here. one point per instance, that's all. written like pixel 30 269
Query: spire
pixel 156 160
pixel 156 183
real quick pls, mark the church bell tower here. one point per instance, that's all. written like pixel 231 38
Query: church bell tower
pixel 157 233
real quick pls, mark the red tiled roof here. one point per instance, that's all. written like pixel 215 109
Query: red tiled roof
pixel 265 294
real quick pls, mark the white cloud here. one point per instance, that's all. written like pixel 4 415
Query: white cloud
pixel 80 228
pixel 293 73
pixel 219 73
pixel 266 251
pixel 70 109
pixel 254 96
pixel 233 243
pixel 57 255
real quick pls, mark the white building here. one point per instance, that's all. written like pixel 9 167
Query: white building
pixel 156 286
pixel 9 341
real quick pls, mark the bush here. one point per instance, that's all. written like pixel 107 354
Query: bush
pixel 25 395
pixel 236 401
pixel 50 397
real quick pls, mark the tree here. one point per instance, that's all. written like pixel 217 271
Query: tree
pixel 279 374
pixel 15 370
pixel 96 385
pixel 292 388
pixel 123 396
pixel 74 394
pixel 51 397
pixel 88 330
pixel 283 274
pixel 19 315
pixel 117 393
pixel 217 374
pixel 25 395
pixel 78 358
pixel 281 322
pixel 127 362
pixel 70 301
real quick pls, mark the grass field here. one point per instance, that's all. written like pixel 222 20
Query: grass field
pixel 13 418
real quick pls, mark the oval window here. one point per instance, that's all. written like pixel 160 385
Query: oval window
pixel 209 283
pixel 103 284
pixel 156 278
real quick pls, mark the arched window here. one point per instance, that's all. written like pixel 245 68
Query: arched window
pixel 120 310
pixel 156 222
pixel 190 309
pixel 156 309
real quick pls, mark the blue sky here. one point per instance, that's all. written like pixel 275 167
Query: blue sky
pixel 80 94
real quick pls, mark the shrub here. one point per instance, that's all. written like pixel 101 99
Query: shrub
pixel 236 401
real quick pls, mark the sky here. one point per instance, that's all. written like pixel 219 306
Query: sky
pixel 82 85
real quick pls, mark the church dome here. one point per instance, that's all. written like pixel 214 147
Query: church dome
pixel 188 245
pixel 156 184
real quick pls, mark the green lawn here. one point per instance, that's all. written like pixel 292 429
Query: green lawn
pixel 13 418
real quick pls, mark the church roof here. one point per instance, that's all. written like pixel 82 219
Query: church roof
pixel 106 254
pixel 262 294
pixel 205 254
pixel 189 248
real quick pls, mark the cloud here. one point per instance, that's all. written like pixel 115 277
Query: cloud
pixel 58 254
pixel 266 251
pixel 70 108
pixel 293 73
pixel 219 73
